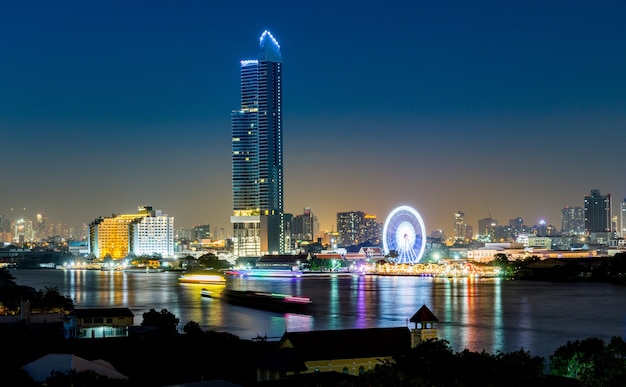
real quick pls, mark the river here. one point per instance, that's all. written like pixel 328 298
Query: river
pixel 494 315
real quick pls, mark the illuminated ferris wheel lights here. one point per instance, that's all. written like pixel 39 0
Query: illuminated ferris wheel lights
pixel 403 233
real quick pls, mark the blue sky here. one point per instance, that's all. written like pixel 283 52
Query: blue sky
pixel 512 108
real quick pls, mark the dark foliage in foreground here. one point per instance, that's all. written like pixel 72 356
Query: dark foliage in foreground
pixel 147 361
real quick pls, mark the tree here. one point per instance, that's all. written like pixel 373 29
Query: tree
pixel 522 364
pixel 6 278
pixel 211 261
pixel 502 262
pixel 591 362
pixel 165 321
pixel 51 301
pixel 192 328
pixel 430 360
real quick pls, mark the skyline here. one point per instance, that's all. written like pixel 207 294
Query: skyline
pixel 485 108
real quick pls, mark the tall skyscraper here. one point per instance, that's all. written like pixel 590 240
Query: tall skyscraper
pixel 460 227
pixel 257 155
pixel 622 219
pixel 597 212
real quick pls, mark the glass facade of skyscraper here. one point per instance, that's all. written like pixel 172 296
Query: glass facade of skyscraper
pixel 597 212
pixel 257 155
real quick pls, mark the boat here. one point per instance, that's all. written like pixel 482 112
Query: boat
pixel 202 278
pixel 265 273
pixel 142 269
pixel 261 300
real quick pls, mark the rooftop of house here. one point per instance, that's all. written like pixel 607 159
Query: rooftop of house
pixel 347 343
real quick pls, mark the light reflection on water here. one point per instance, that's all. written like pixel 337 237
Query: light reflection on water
pixel 490 314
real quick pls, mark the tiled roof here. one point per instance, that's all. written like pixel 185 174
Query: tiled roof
pixel 423 315
pixel 348 343
pixel 102 312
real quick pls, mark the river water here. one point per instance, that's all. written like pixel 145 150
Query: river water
pixel 476 314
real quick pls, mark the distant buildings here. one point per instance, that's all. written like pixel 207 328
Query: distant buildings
pixel 257 156
pixel 462 231
pixel 305 227
pixel 487 229
pixel 147 233
pixel 356 227
pixel 572 221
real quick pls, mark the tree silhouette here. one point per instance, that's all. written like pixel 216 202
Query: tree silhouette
pixel 165 321
pixel 591 362
pixel 192 328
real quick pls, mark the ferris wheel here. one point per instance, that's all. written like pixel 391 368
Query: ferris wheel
pixel 403 233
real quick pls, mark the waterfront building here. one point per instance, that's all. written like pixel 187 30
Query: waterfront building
pixel 91 323
pixel 344 351
pixel 148 232
pixel 153 235
pixel 257 155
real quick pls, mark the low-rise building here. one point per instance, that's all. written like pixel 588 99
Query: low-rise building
pixel 347 351
pixel 98 323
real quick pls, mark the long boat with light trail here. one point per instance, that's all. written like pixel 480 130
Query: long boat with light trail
pixel 262 300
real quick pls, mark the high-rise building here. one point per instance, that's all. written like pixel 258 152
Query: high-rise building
pixel 622 219
pixel 487 228
pixel 460 227
pixel 153 235
pixel 257 155
pixel 304 227
pixel 357 227
pixel 597 212
pixel 572 221
pixel 200 232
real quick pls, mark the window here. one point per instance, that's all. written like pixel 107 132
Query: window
pixel 345 370
pixel 361 370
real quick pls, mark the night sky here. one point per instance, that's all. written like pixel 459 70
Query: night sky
pixel 501 108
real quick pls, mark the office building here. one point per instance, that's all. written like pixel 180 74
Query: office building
pixel 597 212
pixel 257 155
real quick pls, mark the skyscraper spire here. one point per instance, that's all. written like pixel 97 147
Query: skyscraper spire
pixel 269 48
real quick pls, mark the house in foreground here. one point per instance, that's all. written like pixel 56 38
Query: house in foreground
pixel 98 323
pixel 347 351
